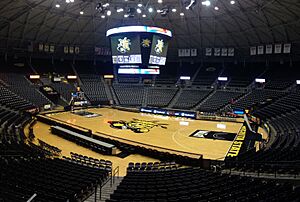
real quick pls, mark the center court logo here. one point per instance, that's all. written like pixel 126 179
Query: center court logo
pixel 136 125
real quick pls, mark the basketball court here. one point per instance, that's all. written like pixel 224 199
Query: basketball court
pixel 196 137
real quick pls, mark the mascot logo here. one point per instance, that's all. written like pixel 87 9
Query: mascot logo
pixel 146 43
pixel 136 125
pixel 124 45
pixel 159 47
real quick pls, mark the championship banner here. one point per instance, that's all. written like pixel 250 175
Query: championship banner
pixel 66 49
pixel 278 48
pixel 180 53
pixel 230 51
pixel 208 51
pixel 46 48
pixel 71 50
pixel 77 50
pixel 41 47
pixel 253 50
pixel 269 49
pixel 217 52
pixel 224 51
pixel 260 50
pixel 187 52
pixel 193 52
pixel 52 48
pixel 287 48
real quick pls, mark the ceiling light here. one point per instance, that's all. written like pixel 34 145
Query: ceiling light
pixel 206 3
pixel 108 13
pixel 81 12
pixel 150 10
pixel 216 8
pixel 140 5
pixel 159 1
pixel 144 15
pixel 120 10
pixel 158 11
pixel 232 2
pixel 174 10
pixel 102 16
pixel 181 14
pixel 57 6
pixel 105 5
pixel 138 10
pixel 126 15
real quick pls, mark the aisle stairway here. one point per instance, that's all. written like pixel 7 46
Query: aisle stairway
pixel 107 190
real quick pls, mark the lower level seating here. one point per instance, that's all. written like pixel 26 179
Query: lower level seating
pixel 194 184
pixel 50 179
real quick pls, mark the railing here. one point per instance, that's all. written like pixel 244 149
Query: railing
pixel 110 179
pixel 280 169
pixel 32 197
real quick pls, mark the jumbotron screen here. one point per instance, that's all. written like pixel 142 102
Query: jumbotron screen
pixel 126 49
pixel 158 55
pixel 139 45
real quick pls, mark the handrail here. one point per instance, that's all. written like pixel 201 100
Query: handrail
pixel 32 197
pixel 115 171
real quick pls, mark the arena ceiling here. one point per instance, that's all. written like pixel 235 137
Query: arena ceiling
pixel 223 23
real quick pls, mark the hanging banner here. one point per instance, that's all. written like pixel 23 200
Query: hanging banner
pixel 224 51
pixel 71 49
pixel 287 48
pixel 193 52
pixel 66 49
pixel 41 47
pixel 187 52
pixel 230 51
pixel 52 48
pixel 217 52
pixel 260 50
pixel 180 53
pixel 253 50
pixel 278 48
pixel 46 48
pixel 269 49
pixel 77 50
pixel 208 51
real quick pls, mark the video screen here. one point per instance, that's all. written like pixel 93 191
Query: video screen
pixel 126 49
pixel 158 55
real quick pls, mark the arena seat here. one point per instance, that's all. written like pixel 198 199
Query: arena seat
pixel 93 88
pixel 190 97
pixel 160 97
pixel 129 95
pixel 194 184
pixel 28 90
pixel 64 89
pixel 258 96
pixel 218 99
pixel 50 179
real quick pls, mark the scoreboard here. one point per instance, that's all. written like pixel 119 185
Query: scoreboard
pixel 139 48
